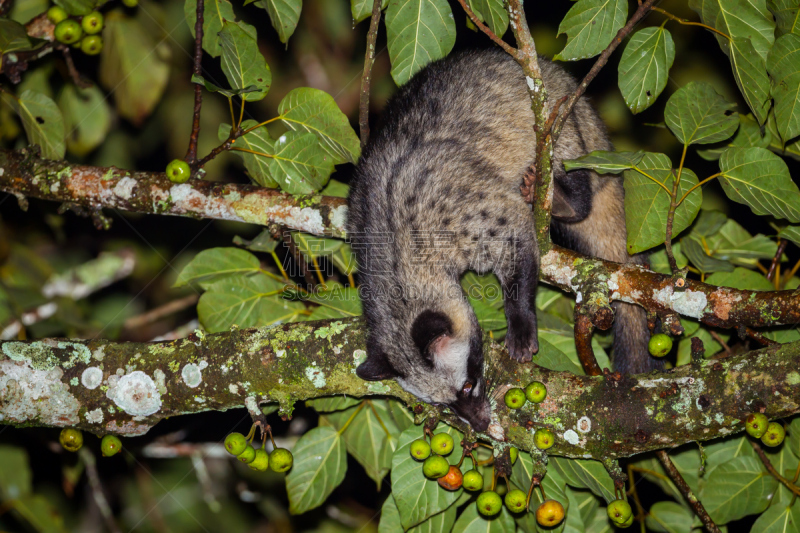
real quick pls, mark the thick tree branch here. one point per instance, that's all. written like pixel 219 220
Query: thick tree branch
pixel 22 173
pixel 126 388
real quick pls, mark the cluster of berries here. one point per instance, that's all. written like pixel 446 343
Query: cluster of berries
pixel 71 439
pixel 81 32
pixel 758 426
pixel 280 460
pixel 535 392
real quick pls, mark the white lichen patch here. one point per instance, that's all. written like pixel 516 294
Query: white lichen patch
pixel 571 437
pixel 186 199
pixel 496 432
pixel 233 388
pixel 280 353
pixel 613 281
pixel 95 417
pixel 316 377
pixel 124 188
pixel 339 217
pixel 329 331
pixel 30 394
pixel 92 377
pixel 136 394
pixel 689 303
pixel 191 375
pixel 99 353
pixel 377 387
pixel 359 356
pixel 308 219
pixel 584 424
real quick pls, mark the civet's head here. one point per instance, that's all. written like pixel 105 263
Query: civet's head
pixel 436 355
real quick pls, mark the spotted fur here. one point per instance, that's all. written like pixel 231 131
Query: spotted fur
pixel 436 193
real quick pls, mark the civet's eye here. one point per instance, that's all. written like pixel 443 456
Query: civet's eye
pixel 467 388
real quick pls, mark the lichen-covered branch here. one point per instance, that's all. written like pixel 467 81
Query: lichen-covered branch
pixel 24 174
pixel 103 386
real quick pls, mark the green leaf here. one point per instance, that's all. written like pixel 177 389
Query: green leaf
pixel 215 12
pixel 13 37
pixel 343 301
pixel 708 223
pixel 590 25
pixel 471 521
pixel 135 61
pixel 489 318
pixel 493 13
pixel 284 15
pixel 791 233
pixel 242 62
pixel 258 140
pixel 550 354
pixel 697 114
pixel 750 73
pixel 77 7
pixel 604 162
pixel 749 134
pixel 417 32
pixel 362 9
pixel 42 121
pixel 312 246
pixel 87 118
pixel 315 111
pixel 320 463
pixel 669 517
pixel 779 519
pixel 659 262
pixel 585 474
pixel 15 473
pixel 327 404
pixel 299 164
pixel 741 278
pixel 336 188
pixel 344 259
pixel 746 20
pixel 553 483
pixel 737 488
pixel 210 87
pixel 418 497
pixel 215 264
pixel 438 523
pixel 644 67
pixel 693 249
pixel 647 203
pixel 783 65
pixel 787 16
pixel 733 243
pixel 485 288
pixel 37 510
pixel 245 301
pixel 760 179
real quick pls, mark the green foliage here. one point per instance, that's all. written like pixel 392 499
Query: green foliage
pixel 493 13
pixel 242 63
pixel 418 32
pixel 644 67
pixel 283 14
pixel 783 65
pixel 215 13
pixel 697 114
pixel 590 25
pixel 42 121
pixel 320 462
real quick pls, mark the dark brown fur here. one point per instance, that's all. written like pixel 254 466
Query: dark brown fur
pixel 437 193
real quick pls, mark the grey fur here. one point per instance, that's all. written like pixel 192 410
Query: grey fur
pixel 436 193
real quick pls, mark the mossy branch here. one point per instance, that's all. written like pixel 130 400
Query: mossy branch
pixel 123 387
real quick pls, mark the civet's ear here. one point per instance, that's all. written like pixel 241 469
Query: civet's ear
pixel 376 368
pixel 427 330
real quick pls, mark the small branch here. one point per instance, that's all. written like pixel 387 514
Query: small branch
pixel 191 153
pixel 485 29
pixel 83 280
pixel 601 61
pixel 691 499
pixel 136 322
pixel 777 259
pixel 688 22
pixel 771 469
pixel 583 344
pixel 97 490
pixel 366 76
pixel 73 72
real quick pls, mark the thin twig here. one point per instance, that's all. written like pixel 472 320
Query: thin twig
pixel 771 469
pixel 191 153
pixel 693 501
pixel 97 490
pixel 366 76
pixel 688 22
pixel 73 72
pixel 600 63
pixel 777 259
pixel 136 322
pixel 485 29
pixel 758 337
pixel 716 337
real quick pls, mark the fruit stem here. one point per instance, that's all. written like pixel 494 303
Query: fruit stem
pixel 534 481
pixel 251 434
